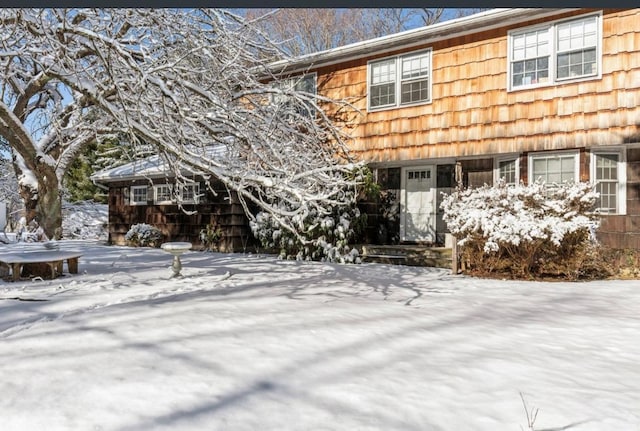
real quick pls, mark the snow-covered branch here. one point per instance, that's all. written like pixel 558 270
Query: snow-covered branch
pixel 194 84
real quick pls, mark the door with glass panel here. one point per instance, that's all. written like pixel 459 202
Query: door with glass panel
pixel 418 202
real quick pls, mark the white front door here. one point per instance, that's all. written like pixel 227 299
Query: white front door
pixel 418 204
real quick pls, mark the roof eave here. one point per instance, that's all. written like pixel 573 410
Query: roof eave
pixel 483 21
pixel 113 179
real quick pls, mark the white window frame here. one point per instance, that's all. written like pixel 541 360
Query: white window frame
pixel 506 158
pixel 295 81
pixel 553 51
pixel 132 195
pixel 196 193
pixel 398 80
pixel 553 154
pixel 158 201
pixel 622 175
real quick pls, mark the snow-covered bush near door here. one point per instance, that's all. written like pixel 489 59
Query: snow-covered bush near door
pixel 143 235
pixel 525 230
pixel 326 237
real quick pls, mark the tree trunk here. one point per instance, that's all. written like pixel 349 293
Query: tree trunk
pixel 49 211
pixel 44 205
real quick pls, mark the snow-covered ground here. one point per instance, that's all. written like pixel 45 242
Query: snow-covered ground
pixel 84 220
pixel 244 342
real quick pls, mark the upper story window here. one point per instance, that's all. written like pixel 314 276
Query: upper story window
pixel 138 195
pixel 554 53
pixel 400 81
pixel 305 83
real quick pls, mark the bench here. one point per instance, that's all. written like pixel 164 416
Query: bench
pixel 53 258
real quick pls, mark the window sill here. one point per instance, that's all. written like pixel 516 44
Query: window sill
pixel 555 83
pixel 389 108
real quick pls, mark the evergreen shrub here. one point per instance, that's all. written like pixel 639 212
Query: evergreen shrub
pixel 143 235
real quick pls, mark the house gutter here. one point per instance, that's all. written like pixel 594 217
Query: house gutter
pixel 483 21
pixel 98 184
pixel 104 182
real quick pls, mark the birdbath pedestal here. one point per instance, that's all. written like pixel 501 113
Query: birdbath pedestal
pixel 176 249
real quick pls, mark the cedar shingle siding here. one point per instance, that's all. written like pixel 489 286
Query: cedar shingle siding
pixel 473 113
pixel 176 225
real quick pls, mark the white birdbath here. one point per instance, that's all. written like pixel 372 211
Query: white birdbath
pixel 176 249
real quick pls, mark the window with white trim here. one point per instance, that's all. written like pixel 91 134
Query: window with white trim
pixel 382 83
pixel 303 83
pixel 554 53
pixel 189 193
pixel 163 194
pixel 554 168
pixel 609 176
pixel 576 47
pixel 507 170
pixel 530 58
pixel 400 81
pixel 138 195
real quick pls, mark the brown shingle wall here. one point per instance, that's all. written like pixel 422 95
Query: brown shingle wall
pixel 176 225
pixel 472 112
pixel 623 231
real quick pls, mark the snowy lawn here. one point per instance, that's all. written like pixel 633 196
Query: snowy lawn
pixel 254 343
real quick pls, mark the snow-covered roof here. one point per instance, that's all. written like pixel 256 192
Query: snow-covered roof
pixel 153 166
pixel 419 36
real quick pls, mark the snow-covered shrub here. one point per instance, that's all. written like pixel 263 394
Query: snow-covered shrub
pixel 210 236
pixel 326 237
pixel 143 235
pixel 324 230
pixel 524 230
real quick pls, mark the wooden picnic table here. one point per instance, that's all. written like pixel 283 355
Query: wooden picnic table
pixel 53 258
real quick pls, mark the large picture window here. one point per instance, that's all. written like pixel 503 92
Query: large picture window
pixel 554 168
pixel 400 81
pixel 554 53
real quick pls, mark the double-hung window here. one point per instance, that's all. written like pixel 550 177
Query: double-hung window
pixel 189 193
pixel 554 53
pixel 530 58
pixel 507 170
pixel 382 83
pixel 163 194
pixel 609 176
pixel 576 48
pixel 400 81
pixel 138 195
